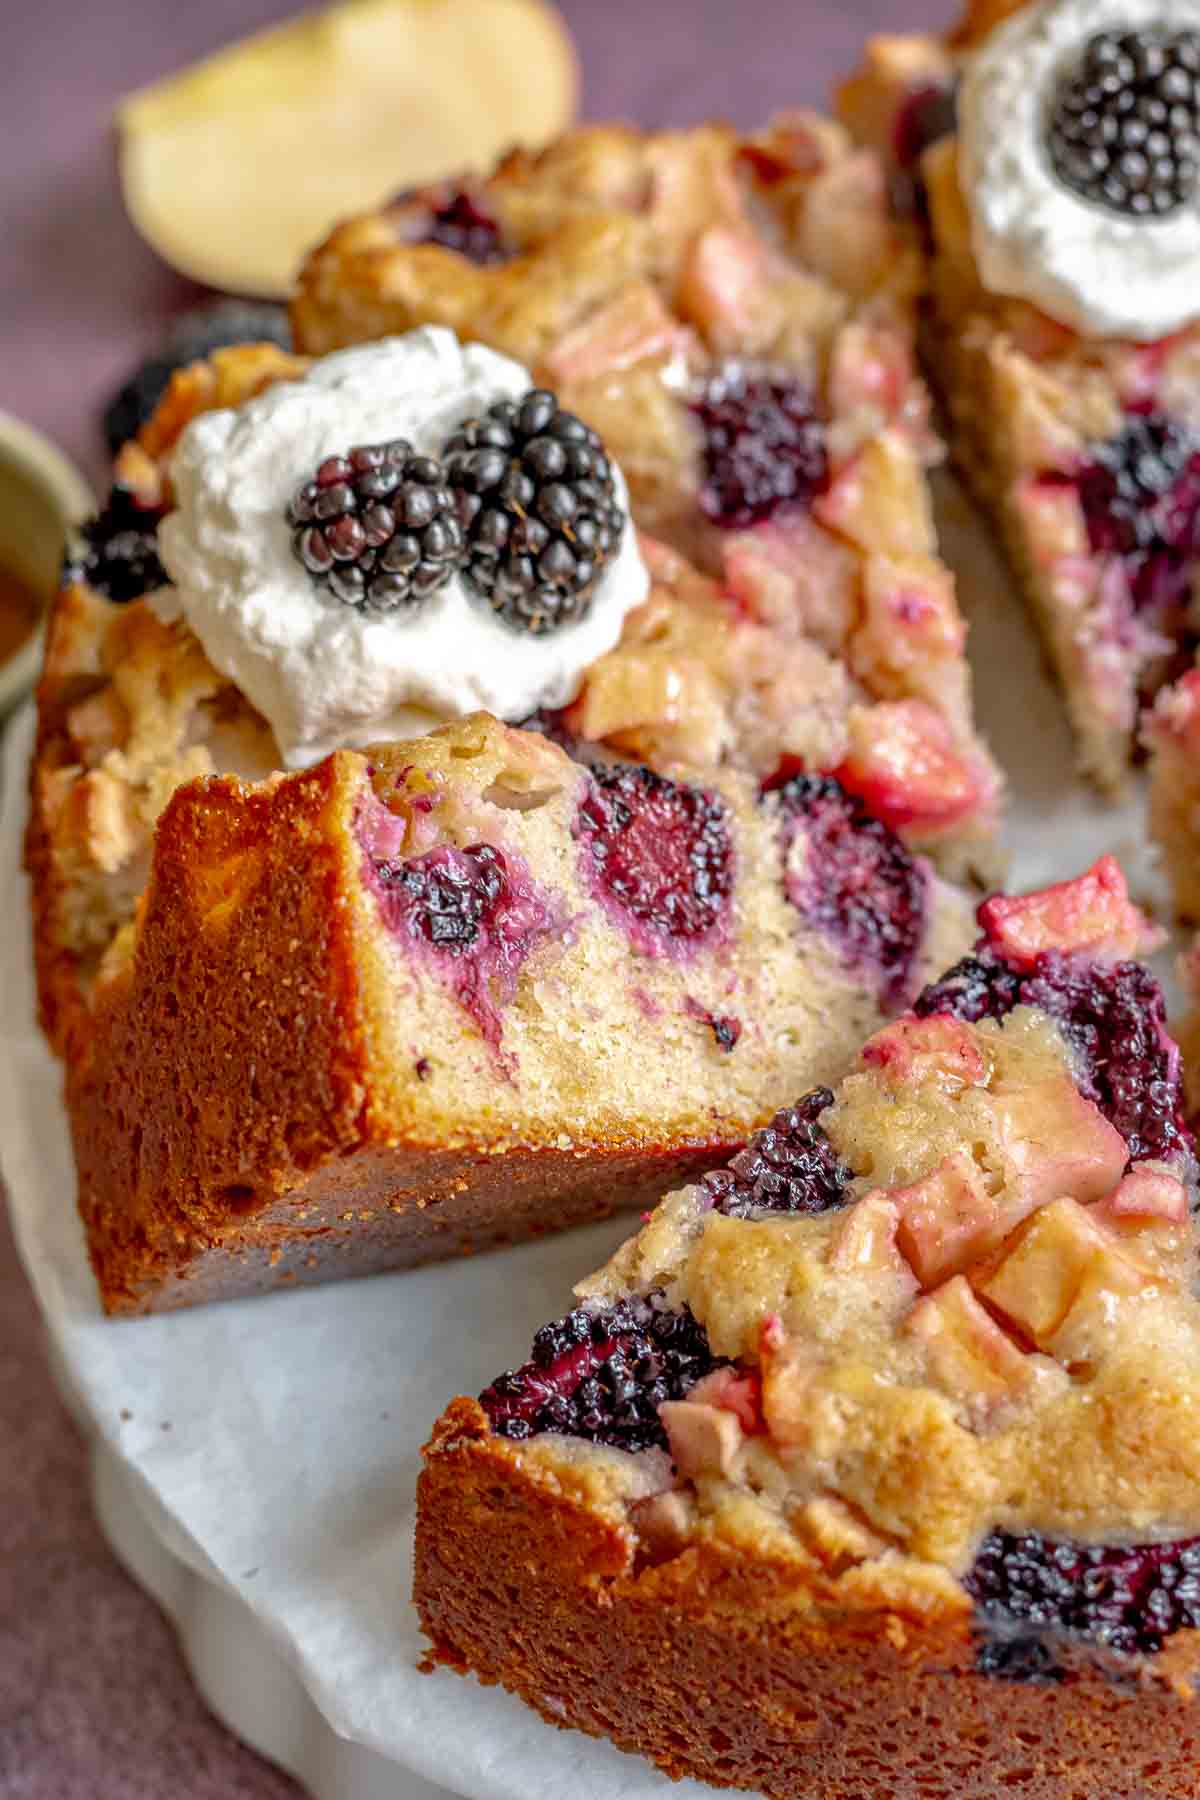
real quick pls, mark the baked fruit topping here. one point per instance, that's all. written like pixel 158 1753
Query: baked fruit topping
pixel 788 1167
pixel 1124 129
pixel 764 446
pixel 459 220
pixel 939 1424
pixel 537 500
pixel 119 552
pixel 602 1374
pixel 849 876
pixel 1140 496
pixel 377 526
pixel 659 853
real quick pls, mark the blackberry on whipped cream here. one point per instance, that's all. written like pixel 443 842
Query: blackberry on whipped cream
pixel 1079 161
pixel 325 674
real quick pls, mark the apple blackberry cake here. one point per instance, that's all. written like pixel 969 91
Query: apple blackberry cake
pixel 348 973
pixel 889 1422
pixel 735 316
pixel 1052 154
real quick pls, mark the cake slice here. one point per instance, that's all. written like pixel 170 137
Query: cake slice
pixel 1063 337
pixel 735 316
pixel 890 1420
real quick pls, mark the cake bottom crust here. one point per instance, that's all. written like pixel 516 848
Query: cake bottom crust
pixel 384 1208
pixel 724 1666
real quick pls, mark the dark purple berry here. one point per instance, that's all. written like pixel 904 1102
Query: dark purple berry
pixel 377 527
pixel 1114 1018
pixel 1125 1598
pixel 849 877
pixel 789 1167
pixel 658 851
pixel 197 334
pixel 118 555
pixel 602 1374
pixel 1140 496
pixel 1124 128
pixel 460 221
pixel 476 910
pixel 538 504
pixel 764 446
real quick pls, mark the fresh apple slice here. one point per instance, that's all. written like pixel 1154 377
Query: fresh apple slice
pixel 237 166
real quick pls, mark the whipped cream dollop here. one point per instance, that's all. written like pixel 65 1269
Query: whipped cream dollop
pixel 322 674
pixel 1099 271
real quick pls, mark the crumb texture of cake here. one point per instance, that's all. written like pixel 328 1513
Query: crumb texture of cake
pixel 735 316
pixel 1063 334
pixel 442 963
pixel 891 1418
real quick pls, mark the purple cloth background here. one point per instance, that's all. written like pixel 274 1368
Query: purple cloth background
pixel 95 1703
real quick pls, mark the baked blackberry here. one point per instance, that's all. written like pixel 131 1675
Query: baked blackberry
pixel 1140 496
pixel 377 527
pixel 602 1375
pixel 459 221
pixel 118 555
pixel 1124 126
pixel 764 445
pixel 537 501
pixel 789 1166
pixel 855 882
pixel 1125 1597
pixel 196 334
pixel 658 851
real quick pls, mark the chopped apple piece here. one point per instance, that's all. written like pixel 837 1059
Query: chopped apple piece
pixel 1057 1143
pixel 663 1522
pixel 947 1220
pixel 704 1439
pixel 788 1370
pixel 879 500
pixel 1147 1194
pixel 1093 913
pixel 940 1049
pixel 1062 1255
pixel 970 1356
pixel 738 1391
pixel 1086 1329
pixel 865 1241
pixel 903 762
pixel 721 281
pixel 634 326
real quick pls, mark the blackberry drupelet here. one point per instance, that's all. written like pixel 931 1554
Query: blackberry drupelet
pixel 856 882
pixel 764 446
pixel 1124 127
pixel 788 1167
pixel 658 850
pixel 377 527
pixel 1114 1017
pixel 447 896
pixel 1127 1598
pixel 197 334
pixel 1140 495
pixel 459 221
pixel 537 501
pixel 119 553
pixel 602 1375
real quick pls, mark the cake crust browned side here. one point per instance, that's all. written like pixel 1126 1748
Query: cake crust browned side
pixel 223 1103
pixel 735 1668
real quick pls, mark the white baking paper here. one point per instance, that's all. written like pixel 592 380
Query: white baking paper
pixel 277 1440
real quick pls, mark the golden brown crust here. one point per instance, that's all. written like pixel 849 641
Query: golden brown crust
pixel 748 1668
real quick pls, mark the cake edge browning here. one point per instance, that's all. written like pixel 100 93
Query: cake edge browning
pixel 748 1671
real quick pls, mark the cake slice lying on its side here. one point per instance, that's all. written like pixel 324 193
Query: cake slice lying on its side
pixel 735 316
pixel 400 1004
pixel 1065 264
pixel 890 1420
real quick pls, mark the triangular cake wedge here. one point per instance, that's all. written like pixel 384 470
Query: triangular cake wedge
pixel 892 1419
